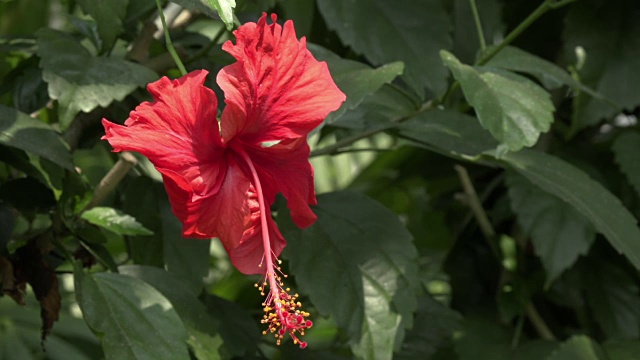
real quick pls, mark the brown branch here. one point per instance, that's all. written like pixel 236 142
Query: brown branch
pixel 112 179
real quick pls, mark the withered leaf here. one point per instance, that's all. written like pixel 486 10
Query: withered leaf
pixel 30 266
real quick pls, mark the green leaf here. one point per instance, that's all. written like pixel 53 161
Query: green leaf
pixel 202 329
pixel 109 16
pixel 21 131
pixel 383 31
pixel 587 196
pixel 82 82
pixel 448 132
pixel 614 297
pixel 225 10
pixel 626 148
pixel 115 220
pixel 141 201
pixel 366 276
pixel 433 327
pixel 377 110
pixel 147 200
pixel 133 320
pixel 612 65
pixel 187 257
pixel 560 234
pixel 549 74
pixel 223 7
pixel 238 329
pixel 578 347
pixel 514 109
pixel 20 331
pixel 301 12
pixel 622 350
pixel 355 79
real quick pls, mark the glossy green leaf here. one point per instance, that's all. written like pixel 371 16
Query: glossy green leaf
pixel 358 264
pixel 82 82
pixel 626 149
pixel 383 31
pixel 578 347
pixel 560 234
pixel 448 132
pixel 109 16
pixel 514 109
pixel 612 67
pixel 20 131
pixel 201 327
pixel 587 196
pixel 115 220
pixel 133 320
pixel 356 80
pixel 614 297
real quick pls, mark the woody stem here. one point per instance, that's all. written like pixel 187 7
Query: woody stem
pixel 266 242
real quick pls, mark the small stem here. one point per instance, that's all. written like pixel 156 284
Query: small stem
pixel 170 47
pixel 140 46
pixel 476 207
pixel 113 178
pixel 338 145
pixel 476 19
pixel 538 323
pixel 518 333
pixel 539 11
pixel 560 3
pixel 205 50
pixel 450 90
pixel 99 258
pixel 347 151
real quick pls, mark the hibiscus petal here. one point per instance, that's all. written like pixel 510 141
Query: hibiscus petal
pixel 285 168
pixel 179 132
pixel 247 255
pixel 277 90
pixel 232 215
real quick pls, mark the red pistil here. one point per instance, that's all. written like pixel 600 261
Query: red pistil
pixel 282 310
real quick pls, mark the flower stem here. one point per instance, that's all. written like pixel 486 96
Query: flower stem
pixel 539 11
pixel 476 19
pixel 266 242
pixel 170 47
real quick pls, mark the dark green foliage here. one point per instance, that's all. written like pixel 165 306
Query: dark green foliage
pixel 478 195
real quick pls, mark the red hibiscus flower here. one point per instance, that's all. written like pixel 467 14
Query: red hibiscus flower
pixel 222 176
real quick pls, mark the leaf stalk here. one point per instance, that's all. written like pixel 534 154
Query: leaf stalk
pixel 170 47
